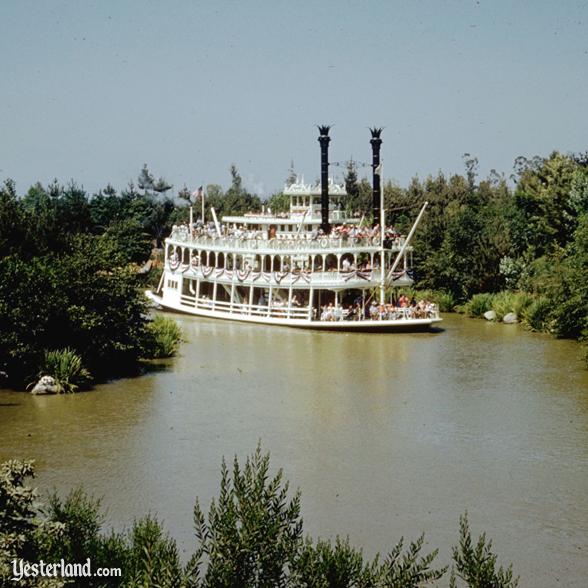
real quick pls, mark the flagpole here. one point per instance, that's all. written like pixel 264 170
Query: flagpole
pixel 382 235
pixel 203 207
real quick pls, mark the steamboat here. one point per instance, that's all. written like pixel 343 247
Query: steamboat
pixel 315 267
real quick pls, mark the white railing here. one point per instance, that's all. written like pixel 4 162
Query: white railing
pixel 337 313
pixel 281 243
pixel 246 309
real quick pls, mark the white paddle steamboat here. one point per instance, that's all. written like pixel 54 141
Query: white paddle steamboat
pixel 313 268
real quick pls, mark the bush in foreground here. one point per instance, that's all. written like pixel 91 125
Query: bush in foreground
pixel 251 538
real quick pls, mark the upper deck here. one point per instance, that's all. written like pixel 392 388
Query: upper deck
pixel 259 242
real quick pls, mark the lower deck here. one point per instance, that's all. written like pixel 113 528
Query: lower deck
pixel 398 320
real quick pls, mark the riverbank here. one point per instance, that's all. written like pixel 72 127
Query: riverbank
pixel 536 313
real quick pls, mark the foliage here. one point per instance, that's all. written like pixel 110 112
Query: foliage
pixel 251 538
pixel 409 569
pixel 506 302
pixel 164 336
pixel 278 203
pixel 538 315
pixel 129 241
pixel 21 522
pixel 253 532
pixel 325 565
pixel 153 558
pixel 65 366
pixel 76 299
pixel 476 564
pixel 478 305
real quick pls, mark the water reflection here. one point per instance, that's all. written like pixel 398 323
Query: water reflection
pixel 386 435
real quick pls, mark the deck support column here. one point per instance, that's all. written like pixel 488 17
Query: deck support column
pixel 269 300
pixel 214 289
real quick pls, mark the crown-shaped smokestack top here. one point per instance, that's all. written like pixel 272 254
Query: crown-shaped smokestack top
pixel 376 142
pixel 324 140
pixel 376 132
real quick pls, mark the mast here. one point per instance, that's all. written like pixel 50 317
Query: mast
pixel 407 241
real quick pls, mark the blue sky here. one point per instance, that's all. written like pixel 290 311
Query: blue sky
pixel 92 90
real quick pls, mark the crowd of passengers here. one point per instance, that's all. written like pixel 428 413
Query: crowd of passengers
pixel 343 231
pixel 403 308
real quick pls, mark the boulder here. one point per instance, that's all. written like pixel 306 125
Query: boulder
pixel 46 385
pixel 490 315
pixel 510 318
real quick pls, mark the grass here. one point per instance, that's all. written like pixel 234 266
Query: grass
pixel 506 302
pixel 65 367
pixel 478 305
pixel 166 337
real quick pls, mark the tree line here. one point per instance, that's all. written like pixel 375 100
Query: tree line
pixel 520 241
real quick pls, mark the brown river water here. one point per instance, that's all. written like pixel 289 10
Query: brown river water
pixel 386 435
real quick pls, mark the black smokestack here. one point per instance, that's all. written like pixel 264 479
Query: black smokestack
pixel 376 142
pixel 324 140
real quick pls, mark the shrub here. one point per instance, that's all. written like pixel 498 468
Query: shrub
pixel 478 305
pixel 445 300
pixel 153 556
pixel 476 565
pixel 505 302
pixel 20 523
pixel 537 316
pixel 253 532
pixel 324 565
pixel 409 569
pixel 164 337
pixel 65 366
pixel 251 538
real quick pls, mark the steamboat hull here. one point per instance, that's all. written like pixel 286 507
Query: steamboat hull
pixel 404 325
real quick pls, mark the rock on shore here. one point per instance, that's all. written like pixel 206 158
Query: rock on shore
pixel 46 385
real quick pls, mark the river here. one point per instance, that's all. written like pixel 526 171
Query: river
pixel 385 435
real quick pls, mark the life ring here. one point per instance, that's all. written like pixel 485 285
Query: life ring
pixel 324 242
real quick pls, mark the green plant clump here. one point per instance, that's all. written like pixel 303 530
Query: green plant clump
pixel 505 302
pixel 478 305
pixel 165 337
pixel 65 367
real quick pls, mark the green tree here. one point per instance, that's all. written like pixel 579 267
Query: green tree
pixel 237 200
pixel 11 220
pixel 145 180
pixel 278 203
pixel 545 213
